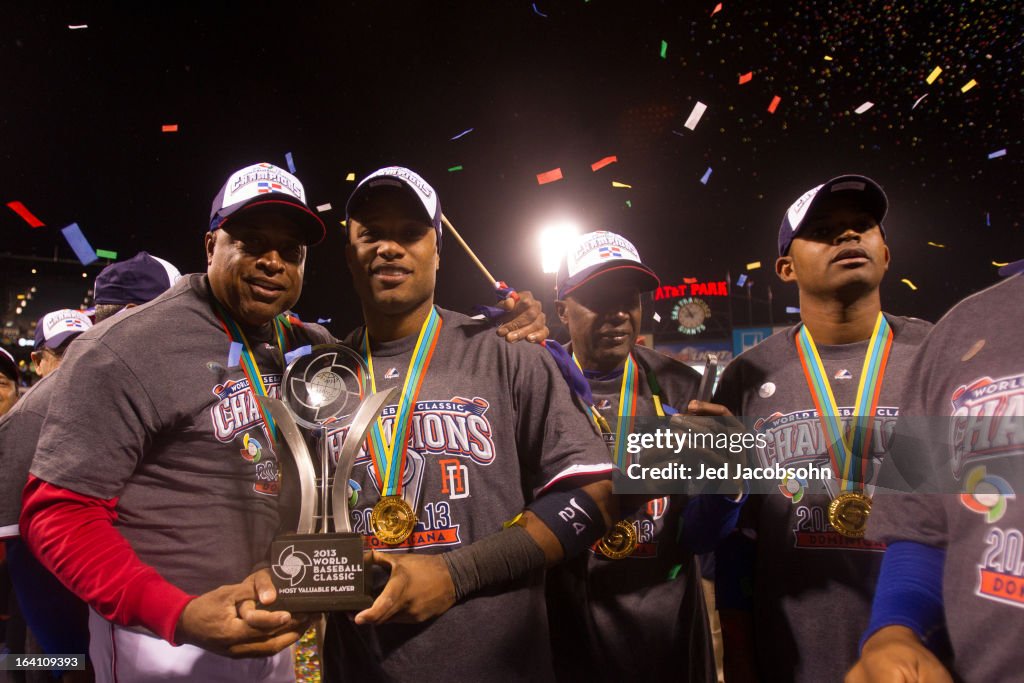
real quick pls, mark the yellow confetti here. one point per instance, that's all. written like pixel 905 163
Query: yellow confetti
pixel 343 223
pixel 351 177
pixel 754 266
pixel 970 84
pixel 936 244
pixel 908 283
pixel 617 184
pixel 828 58
pixel 997 264
pixel 933 75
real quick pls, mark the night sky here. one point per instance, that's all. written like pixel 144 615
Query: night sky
pixel 350 87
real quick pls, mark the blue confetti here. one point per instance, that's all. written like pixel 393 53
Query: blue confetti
pixel 465 132
pixel 297 353
pixel 234 354
pixel 707 174
pixel 538 12
pixel 998 153
pixel 741 280
pixel 988 219
pixel 76 240
pixel 322 321
pixel 792 309
pixel 290 162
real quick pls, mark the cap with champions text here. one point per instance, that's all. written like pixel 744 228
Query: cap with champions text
pixel 864 190
pixel 597 253
pixel 399 176
pixel 57 327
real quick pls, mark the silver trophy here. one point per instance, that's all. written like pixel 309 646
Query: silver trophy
pixel 317 568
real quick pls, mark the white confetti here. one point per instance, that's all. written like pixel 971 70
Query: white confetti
pixel 657 318
pixel 694 118
pixel 863 108
pixel 323 207
pixel 75 27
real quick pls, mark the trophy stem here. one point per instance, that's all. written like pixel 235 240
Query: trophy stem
pixel 325 463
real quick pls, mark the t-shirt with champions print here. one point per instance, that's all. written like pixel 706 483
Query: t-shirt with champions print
pixel 970 369
pixel 812 587
pixel 494 425
pixel 147 408
pixel 642 616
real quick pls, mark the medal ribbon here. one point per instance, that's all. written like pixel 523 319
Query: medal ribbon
pixel 849 450
pixel 247 359
pixel 389 468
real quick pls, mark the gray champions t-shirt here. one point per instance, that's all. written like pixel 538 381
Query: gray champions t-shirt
pixel 145 409
pixel 494 424
pixel 972 367
pixel 812 586
pixel 19 434
pixel 642 616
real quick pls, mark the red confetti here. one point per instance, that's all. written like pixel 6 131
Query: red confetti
pixel 689 280
pixel 774 105
pixel 598 165
pixel 718 8
pixel 745 78
pixel 26 215
pixel 169 128
pixel 549 176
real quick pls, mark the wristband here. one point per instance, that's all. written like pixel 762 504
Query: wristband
pixel 493 560
pixel 573 517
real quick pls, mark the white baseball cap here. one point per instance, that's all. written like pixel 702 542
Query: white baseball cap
pixel 265 185
pixel 597 253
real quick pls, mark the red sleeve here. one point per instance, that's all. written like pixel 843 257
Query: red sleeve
pixel 74 537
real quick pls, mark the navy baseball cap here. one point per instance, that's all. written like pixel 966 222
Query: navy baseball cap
pixel 597 253
pixel 9 366
pixel 412 182
pixel 58 327
pixel 265 185
pixel 140 279
pixel 864 190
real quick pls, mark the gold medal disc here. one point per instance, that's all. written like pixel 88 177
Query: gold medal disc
pixel 392 520
pixel 619 542
pixel 848 514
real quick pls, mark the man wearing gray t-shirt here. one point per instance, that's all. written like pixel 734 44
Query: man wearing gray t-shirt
pixel 495 469
pixel 813 569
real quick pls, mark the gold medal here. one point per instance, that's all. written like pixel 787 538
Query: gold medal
pixel 619 542
pixel 392 520
pixel 848 514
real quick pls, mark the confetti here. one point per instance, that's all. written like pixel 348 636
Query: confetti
pixel 968 85
pixel 453 169
pixel 549 176
pixel 774 104
pixel 933 75
pixel 988 219
pixel 936 244
pixel 351 177
pixel 792 309
pixel 104 253
pixel 754 265
pixel 616 183
pixel 169 128
pixel 695 114
pixel 324 207
pixel 598 165
pixel 704 178
pixel 26 215
pixel 664 49
pixel 657 318
pixel 718 8
pixel 291 162
pixel 863 108
pixel 908 283
pixel 78 243
pixel 77 27
pixel 828 58
pixel 998 153
pixel 745 78
pixel 689 280
pixel 323 321
pixel 918 101
pixel 629 204
pixel 741 280
pixel 465 132
pixel 538 12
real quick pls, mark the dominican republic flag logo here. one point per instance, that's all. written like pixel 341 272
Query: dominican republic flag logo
pixel 609 252
pixel 264 186
pixel 74 323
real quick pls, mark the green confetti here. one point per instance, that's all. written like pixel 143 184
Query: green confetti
pixel 629 204
pixel 103 253
pixel 664 49
pixel 455 168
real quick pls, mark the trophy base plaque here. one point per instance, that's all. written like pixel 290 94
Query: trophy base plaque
pixel 319 573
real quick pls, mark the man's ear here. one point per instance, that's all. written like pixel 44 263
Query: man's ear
pixel 888 257
pixel 784 269
pixel 562 311
pixel 211 241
